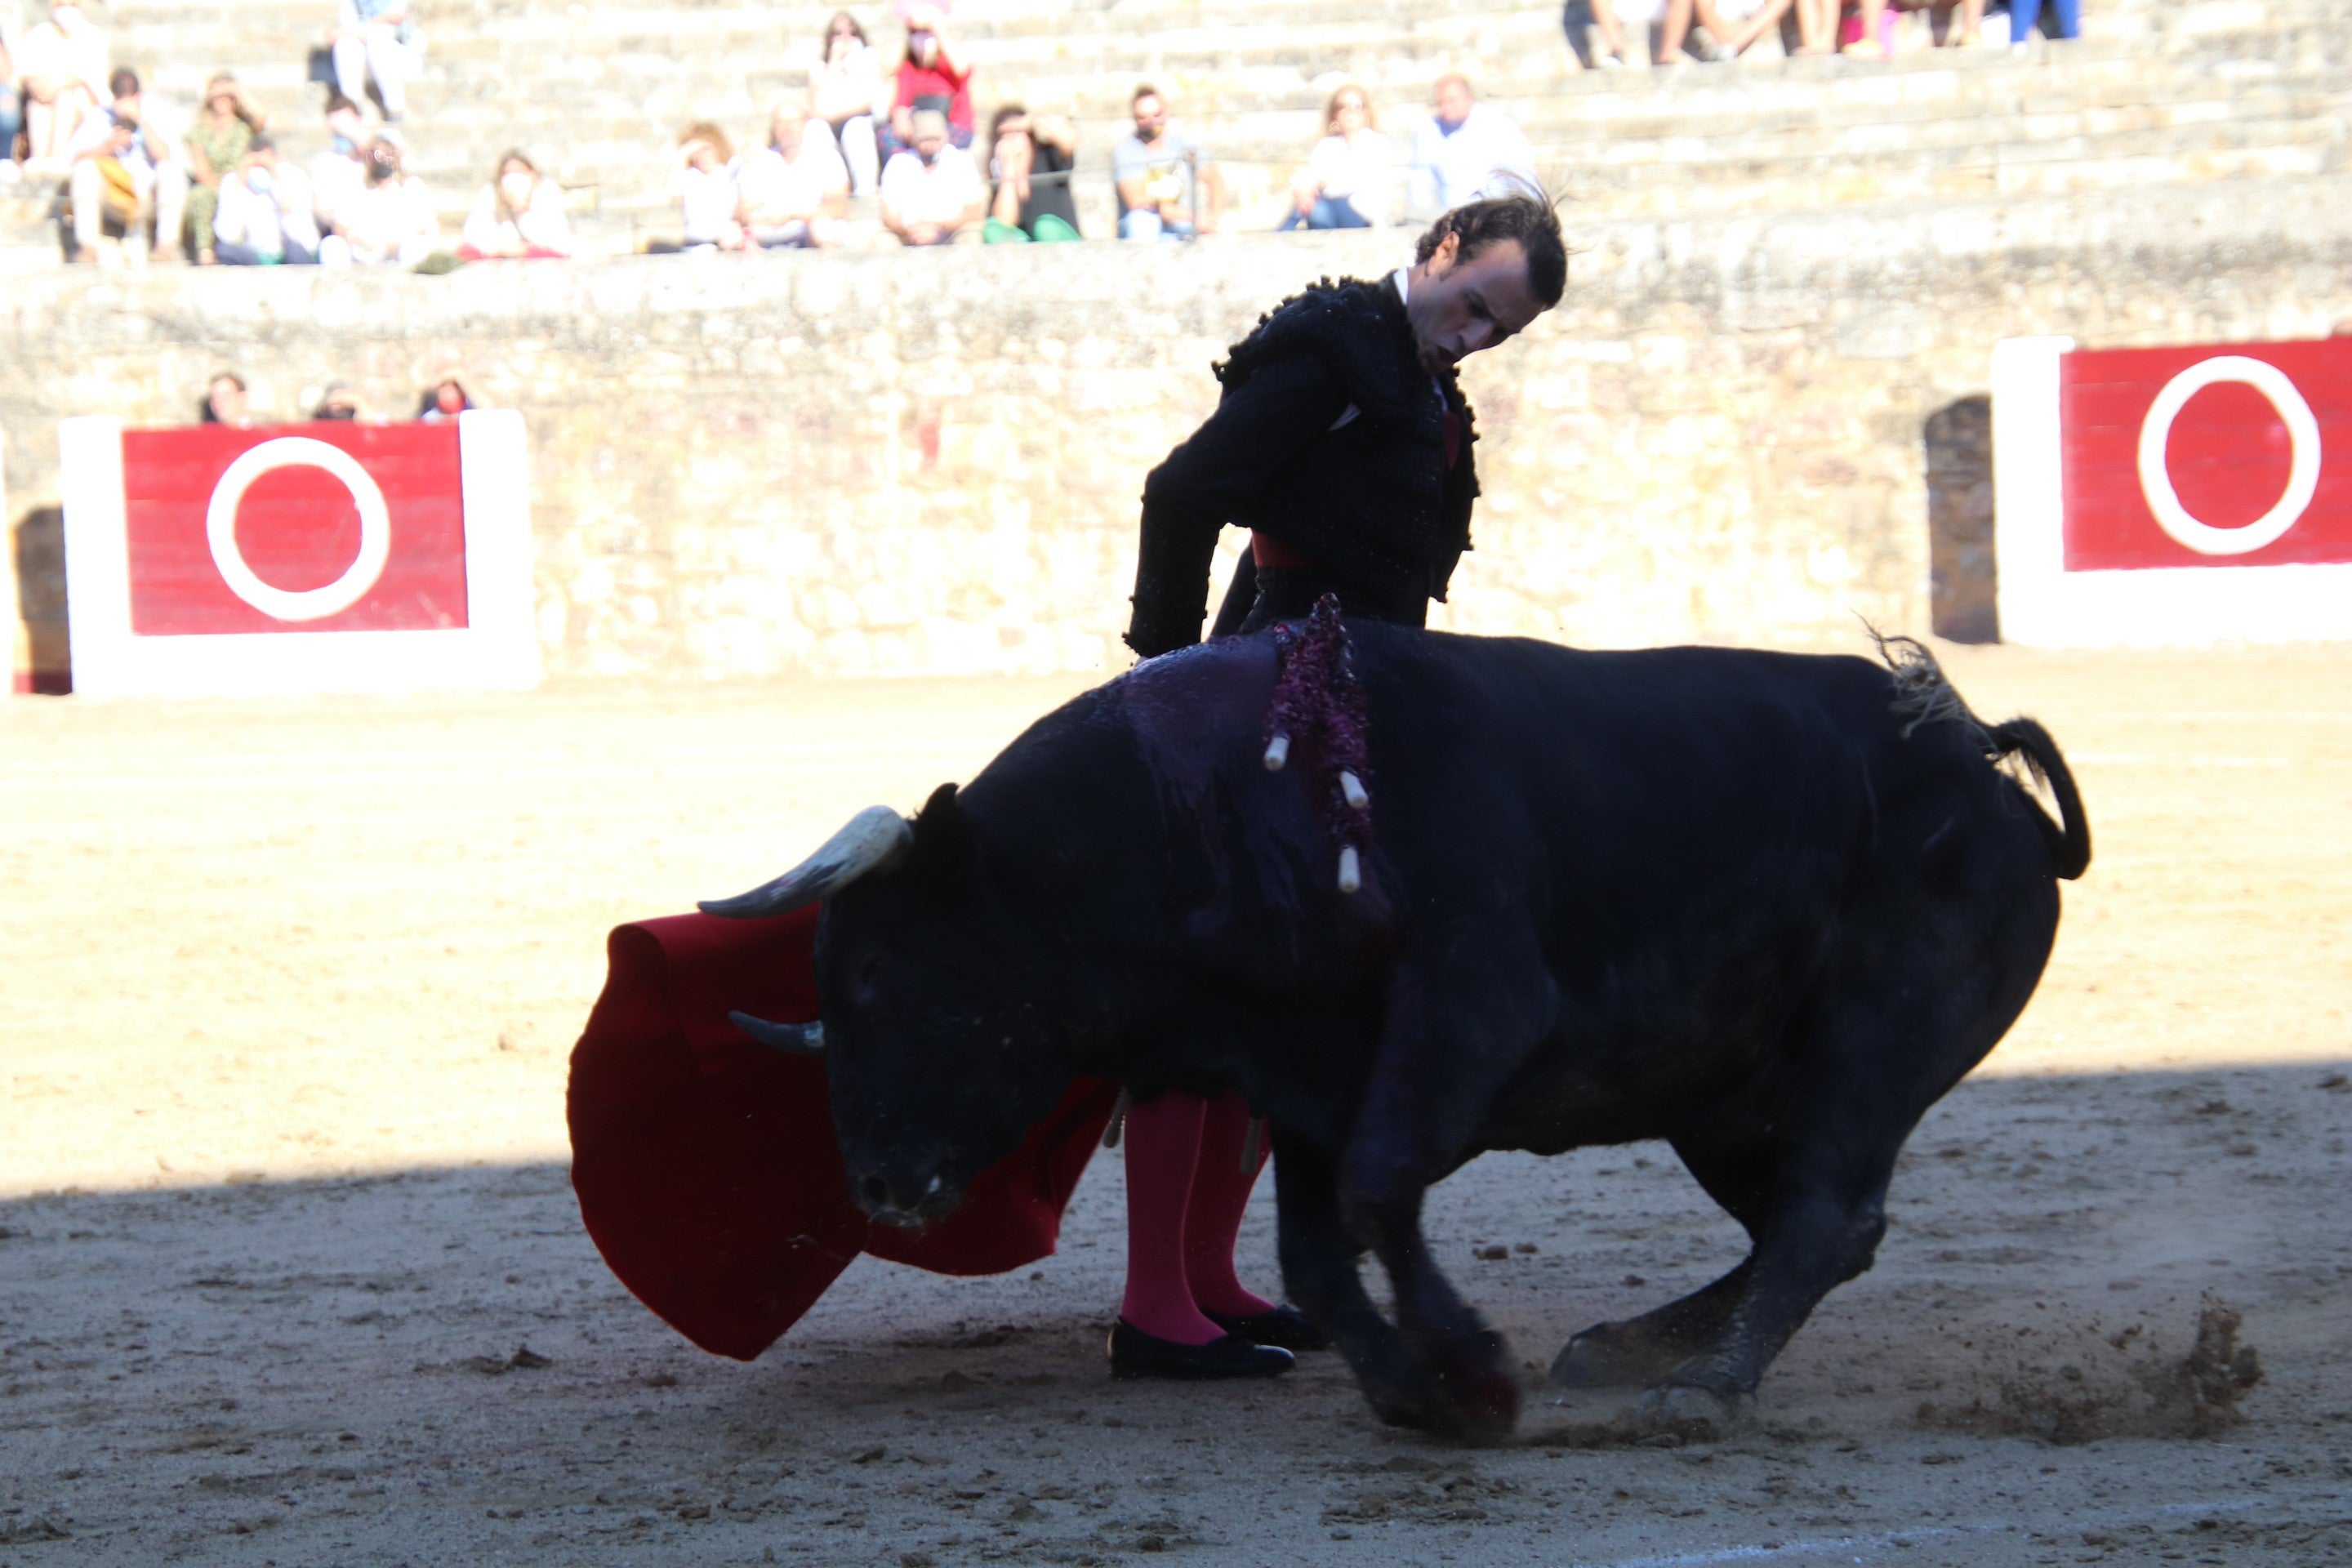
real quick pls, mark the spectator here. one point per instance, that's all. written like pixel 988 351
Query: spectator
pixel 338 402
pixel 934 75
pixel 124 173
pixel 338 173
pixel 1167 186
pixel 376 38
pixel 1734 24
pixel 703 180
pixel 224 401
pixel 12 119
pixel 2025 16
pixel 796 190
pixel 390 219
pixel 846 94
pixel 216 144
pixel 518 215
pixel 1958 24
pixel 931 191
pixel 1030 162
pixel 61 65
pixel 444 399
pixel 265 215
pixel 1348 176
pixel 1601 16
pixel 1464 148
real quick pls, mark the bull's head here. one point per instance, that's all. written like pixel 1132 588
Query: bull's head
pixel 938 1052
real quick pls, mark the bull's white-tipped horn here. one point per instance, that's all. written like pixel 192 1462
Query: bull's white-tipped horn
pixel 1351 790
pixel 793 1039
pixel 1278 751
pixel 1351 870
pixel 872 840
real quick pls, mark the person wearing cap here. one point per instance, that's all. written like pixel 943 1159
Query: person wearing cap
pixel 127 171
pixel 932 191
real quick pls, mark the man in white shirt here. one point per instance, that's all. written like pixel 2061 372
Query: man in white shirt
pixel 931 191
pixel 1466 152
pixel 796 190
pixel 61 65
pixel 126 170
pixel 264 218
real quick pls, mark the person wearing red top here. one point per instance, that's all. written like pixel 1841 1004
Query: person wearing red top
pixel 933 75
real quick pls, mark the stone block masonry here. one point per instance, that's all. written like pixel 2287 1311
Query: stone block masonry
pixel 905 464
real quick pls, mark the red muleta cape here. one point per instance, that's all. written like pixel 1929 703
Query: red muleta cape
pixel 706 1167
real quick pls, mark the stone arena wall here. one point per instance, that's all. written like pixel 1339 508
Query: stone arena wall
pixel 928 463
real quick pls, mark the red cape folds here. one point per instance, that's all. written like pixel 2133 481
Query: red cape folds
pixel 706 1165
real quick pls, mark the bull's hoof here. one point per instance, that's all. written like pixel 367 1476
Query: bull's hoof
pixel 1613 1355
pixel 1682 1407
pixel 1477 1399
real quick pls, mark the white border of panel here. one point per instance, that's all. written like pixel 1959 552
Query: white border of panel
pixel 2043 604
pixel 498 650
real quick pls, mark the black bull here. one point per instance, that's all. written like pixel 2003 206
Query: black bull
pixel 1766 906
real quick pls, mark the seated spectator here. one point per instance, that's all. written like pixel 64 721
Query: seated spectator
pixel 339 173
pixel 846 94
pixel 1167 186
pixel 703 180
pixel 518 216
pixel 124 174
pixel 1030 163
pixel 1348 176
pixel 388 220
pixel 225 128
pixel 266 217
pixel 444 399
pixel 376 38
pixel 796 190
pixel 933 75
pixel 1601 16
pixel 224 401
pixel 60 66
pixel 1735 25
pixel 338 402
pixel 1958 24
pixel 931 191
pixel 2025 16
pixel 12 119
pixel 1465 147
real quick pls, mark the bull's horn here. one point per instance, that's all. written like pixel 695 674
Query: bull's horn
pixel 793 1039
pixel 873 839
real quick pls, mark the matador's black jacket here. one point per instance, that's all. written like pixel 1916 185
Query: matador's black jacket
pixel 1329 438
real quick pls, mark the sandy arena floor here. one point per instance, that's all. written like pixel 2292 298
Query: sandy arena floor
pixel 282 1191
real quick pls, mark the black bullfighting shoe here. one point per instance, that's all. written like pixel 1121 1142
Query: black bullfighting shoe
pixel 1285 1328
pixel 1134 1354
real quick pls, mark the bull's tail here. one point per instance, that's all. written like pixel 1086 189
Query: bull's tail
pixel 2070 843
pixel 1924 696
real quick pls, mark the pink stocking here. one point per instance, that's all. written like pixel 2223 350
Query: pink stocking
pixel 1164 1146
pixel 1221 1192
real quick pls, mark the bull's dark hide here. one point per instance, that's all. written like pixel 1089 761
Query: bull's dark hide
pixel 1766 907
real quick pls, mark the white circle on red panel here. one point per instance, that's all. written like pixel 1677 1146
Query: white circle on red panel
pixel 308 604
pixel 2302 442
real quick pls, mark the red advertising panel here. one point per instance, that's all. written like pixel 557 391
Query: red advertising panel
pixel 2221 455
pixel 323 526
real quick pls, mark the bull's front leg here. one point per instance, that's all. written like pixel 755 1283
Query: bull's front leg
pixel 1322 1274
pixel 1446 1049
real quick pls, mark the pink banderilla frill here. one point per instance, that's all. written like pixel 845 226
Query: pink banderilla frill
pixel 1319 709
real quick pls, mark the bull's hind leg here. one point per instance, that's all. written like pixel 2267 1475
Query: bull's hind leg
pixel 1643 1350
pixel 1899 1021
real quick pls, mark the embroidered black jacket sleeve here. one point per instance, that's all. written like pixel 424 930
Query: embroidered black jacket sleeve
pixel 1207 481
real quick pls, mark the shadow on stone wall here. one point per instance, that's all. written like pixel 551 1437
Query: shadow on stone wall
pixel 1959 438
pixel 40 545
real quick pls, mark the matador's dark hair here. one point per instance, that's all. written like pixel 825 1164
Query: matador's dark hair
pixel 1525 216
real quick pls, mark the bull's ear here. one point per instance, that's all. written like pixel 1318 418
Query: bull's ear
pixel 946 853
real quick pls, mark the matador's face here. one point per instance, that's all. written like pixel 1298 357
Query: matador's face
pixel 1458 307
